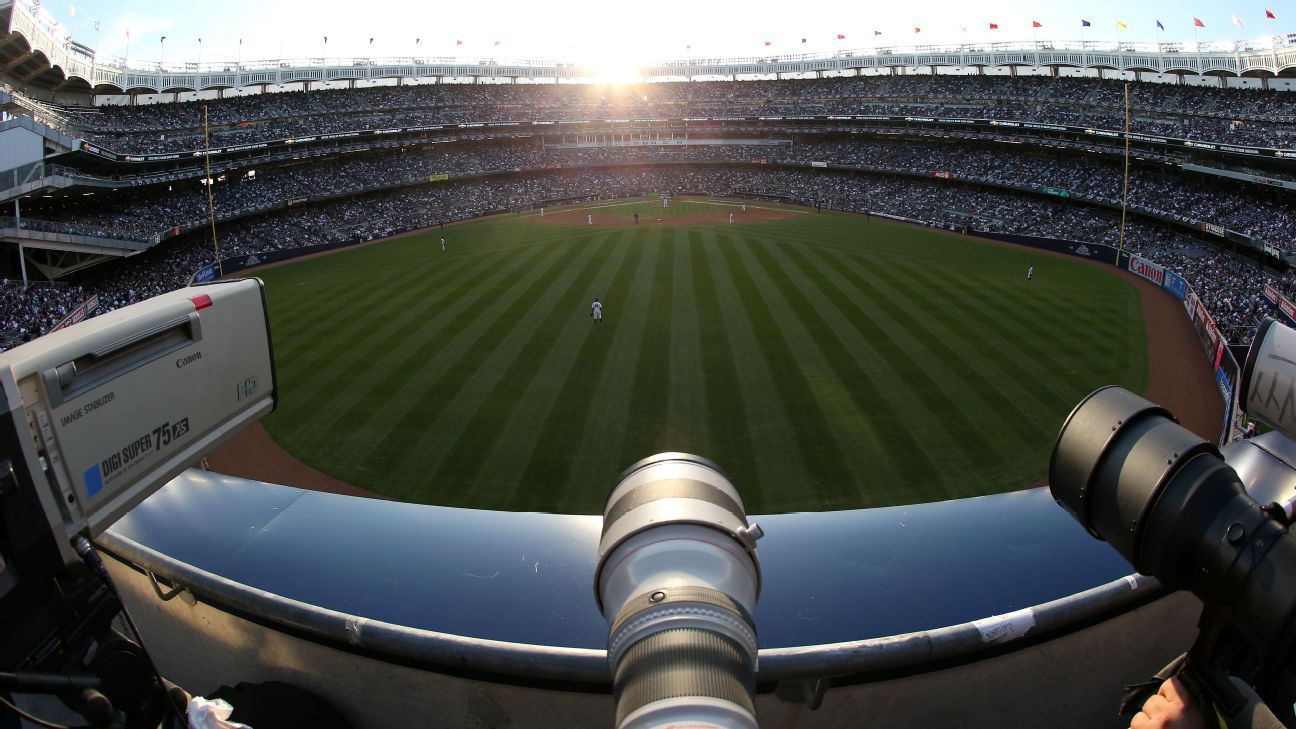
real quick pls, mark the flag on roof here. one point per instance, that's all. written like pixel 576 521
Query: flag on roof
pixel 1238 22
pixel 1159 26
pixel 1036 24
pixel 1197 22
pixel 877 32
pixel 458 42
pixel 803 40
pixel 769 43
pixel 1084 23
pixel 1121 24
pixel 994 26
pixel 841 37
pixel 917 29
pixel 1269 14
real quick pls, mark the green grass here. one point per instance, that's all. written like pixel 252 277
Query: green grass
pixel 825 362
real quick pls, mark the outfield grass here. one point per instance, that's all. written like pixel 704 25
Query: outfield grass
pixel 825 362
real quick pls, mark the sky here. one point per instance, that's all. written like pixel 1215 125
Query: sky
pixel 604 34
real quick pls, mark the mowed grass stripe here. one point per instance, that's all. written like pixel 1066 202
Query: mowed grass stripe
pixel 1002 421
pixel 1018 305
pixel 332 279
pixel 464 454
pixel 875 422
pixel 411 341
pixel 625 322
pixel 902 383
pixel 645 430
pixel 720 396
pixel 971 326
pixel 397 298
pixel 398 384
pixel 564 436
pixel 830 476
pixel 687 412
pixel 1023 362
pixel 391 312
pixel 426 422
pixel 775 456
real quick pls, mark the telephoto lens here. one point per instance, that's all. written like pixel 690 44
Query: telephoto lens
pixel 1167 501
pixel 1268 387
pixel 677 580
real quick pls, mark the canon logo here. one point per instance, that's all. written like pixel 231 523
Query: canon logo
pixel 188 359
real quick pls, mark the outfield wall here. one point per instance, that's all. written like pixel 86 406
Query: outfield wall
pixel 981 612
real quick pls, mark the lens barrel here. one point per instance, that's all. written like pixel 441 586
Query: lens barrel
pixel 1167 501
pixel 678 580
pixel 1268 387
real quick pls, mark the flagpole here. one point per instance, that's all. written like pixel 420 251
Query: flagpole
pixel 1125 193
pixel 1201 71
pixel 1118 43
pixel 1237 58
pixel 1273 39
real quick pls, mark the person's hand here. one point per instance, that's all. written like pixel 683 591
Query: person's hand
pixel 1171 708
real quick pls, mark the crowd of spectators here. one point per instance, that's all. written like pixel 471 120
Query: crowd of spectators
pixel 1239 116
pixel 143 213
pixel 1228 285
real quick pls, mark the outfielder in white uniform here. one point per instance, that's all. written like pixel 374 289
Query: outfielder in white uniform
pixel 731 217
pixel 596 311
pixel 589 219
pixel 1030 271
pixel 744 208
pixel 443 245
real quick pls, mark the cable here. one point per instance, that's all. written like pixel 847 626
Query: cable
pixel 88 554
pixel 36 720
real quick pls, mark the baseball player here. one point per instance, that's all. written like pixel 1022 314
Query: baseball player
pixel 744 207
pixel 730 217
pixel 1030 271
pixel 589 219
pixel 596 312
pixel 443 245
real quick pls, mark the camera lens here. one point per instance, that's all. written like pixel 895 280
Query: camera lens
pixel 677 580
pixel 1167 501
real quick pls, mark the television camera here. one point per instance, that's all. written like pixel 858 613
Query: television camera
pixel 97 417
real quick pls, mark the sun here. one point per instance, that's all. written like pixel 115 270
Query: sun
pixel 613 70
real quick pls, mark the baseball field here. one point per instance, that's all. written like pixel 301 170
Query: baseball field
pixel 824 361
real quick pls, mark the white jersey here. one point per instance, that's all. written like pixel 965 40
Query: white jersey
pixel 597 310
pixel 1030 272
pixel 589 219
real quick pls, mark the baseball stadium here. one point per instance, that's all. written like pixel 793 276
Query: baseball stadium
pixel 452 359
